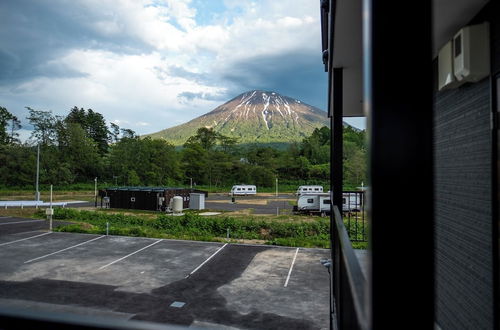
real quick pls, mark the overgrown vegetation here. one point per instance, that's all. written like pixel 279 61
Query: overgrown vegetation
pixel 195 227
pixel 313 233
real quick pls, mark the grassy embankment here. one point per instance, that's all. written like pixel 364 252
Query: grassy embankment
pixel 273 230
pixel 191 226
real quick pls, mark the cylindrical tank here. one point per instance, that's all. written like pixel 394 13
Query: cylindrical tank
pixel 177 204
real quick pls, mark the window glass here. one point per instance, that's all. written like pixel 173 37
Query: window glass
pixel 310 200
pixel 326 201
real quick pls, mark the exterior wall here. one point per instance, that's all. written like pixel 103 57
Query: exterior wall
pixel 463 206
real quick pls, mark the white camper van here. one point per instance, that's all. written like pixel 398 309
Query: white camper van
pixel 352 201
pixel 321 202
pixel 243 189
pixel 310 203
pixel 309 190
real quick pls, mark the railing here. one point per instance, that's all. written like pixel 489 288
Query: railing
pixel 353 211
pixel 349 283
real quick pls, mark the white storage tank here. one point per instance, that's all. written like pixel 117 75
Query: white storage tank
pixel 177 204
pixel 196 201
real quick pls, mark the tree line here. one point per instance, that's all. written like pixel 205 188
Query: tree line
pixel 78 147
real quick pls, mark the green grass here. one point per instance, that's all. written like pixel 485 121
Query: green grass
pixel 191 226
pixel 195 227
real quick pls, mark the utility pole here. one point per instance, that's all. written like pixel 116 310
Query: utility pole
pixel 191 184
pixel 276 187
pixel 37 193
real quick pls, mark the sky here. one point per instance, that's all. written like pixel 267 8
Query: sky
pixel 147 65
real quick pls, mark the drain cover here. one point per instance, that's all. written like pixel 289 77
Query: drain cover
pixel 177 304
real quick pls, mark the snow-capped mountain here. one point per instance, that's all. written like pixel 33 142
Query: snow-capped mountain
pixel 253 117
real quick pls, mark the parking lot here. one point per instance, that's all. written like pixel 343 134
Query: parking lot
pixel 198 284
pixel 260 204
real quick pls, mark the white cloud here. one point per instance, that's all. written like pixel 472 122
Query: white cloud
pixel 136 89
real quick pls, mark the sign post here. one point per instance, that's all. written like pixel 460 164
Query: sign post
pixel 50 211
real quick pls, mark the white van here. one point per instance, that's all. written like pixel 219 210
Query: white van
pixel 243 189
pixel 309 190
pixel 319 202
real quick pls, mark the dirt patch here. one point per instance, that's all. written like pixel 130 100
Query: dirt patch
pixel 18 212
pixel 244 212
pixel 243 201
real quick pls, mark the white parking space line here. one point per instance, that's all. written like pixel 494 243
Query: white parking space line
pixel 13 223
pixel 71 247
pixel 128 255
pixel 204 262
pixel 291 267
pixel 23 239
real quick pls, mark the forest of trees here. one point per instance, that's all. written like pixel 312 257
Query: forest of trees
pixel 80 146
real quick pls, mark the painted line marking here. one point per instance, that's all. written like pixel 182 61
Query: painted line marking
pixel 128 255
pixel 12 223
pixel 5 217
pixel 291 267
pixel 74 246
pixel 23 239
pixel 27 232
pixel 204 262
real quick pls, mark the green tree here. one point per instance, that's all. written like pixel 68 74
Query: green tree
pixel 44 126
pixel 133 179
pixel 93 124
pixel 114 133
pixel 17 165
pixel 194 163
pixel 154 162
pixel 80 153
pixel 127 133
pixel 205 137
pixel 5 118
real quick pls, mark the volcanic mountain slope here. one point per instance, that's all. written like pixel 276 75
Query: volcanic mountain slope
pixel 254 117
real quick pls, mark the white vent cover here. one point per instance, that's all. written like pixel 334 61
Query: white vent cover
pixel 446 76
pixel 471 53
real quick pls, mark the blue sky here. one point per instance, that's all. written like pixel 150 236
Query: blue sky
pixel 152 64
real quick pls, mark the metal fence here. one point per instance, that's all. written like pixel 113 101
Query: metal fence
pixel 349 283
pixel 354 215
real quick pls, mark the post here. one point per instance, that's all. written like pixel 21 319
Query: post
pixel 337 137
pixel 37 193
pixel 191 182
pixel 51 211
pixel 107 228
pixel 276 187
pixel 336 178
pixel 95 191
pixel 400 133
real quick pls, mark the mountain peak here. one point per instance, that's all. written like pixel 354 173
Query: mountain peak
pixel 257 95
pixel 254 116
